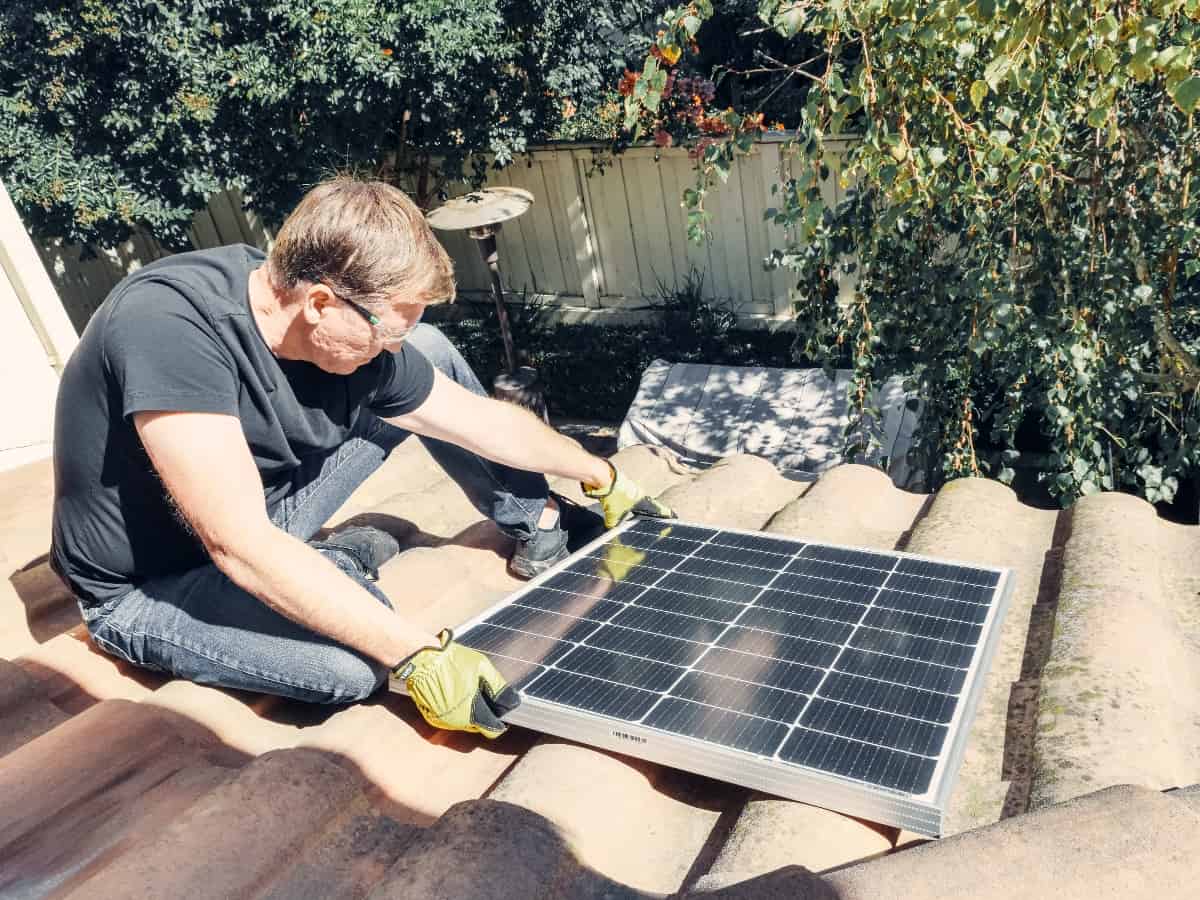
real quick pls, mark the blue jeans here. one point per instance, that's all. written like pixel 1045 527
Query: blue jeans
pixel 201 626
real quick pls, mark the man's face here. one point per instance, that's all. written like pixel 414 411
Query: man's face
pixel 341 338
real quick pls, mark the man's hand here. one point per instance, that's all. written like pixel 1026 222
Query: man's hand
pixel 622 497
pixel 457 688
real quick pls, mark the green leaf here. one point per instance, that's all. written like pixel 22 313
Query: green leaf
pixel 1104 60
pixel 1187 94
pixel 1097 117
pixel 691 24
pixel 1173 56
pixel 979 90
pixel 1140 66
pixel 987 10
pixel 790 20
pixel 936 155
pixel 1108 28
pixel 994 71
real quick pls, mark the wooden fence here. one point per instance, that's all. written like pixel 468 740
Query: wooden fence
pixel 599 238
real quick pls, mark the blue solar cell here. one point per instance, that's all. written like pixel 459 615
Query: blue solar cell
pixel 718 726
pixel 593 694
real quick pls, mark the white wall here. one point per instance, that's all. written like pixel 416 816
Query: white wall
pixel 35 340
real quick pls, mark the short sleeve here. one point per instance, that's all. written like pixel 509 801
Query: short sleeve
pixel 165 355
pixel 406 378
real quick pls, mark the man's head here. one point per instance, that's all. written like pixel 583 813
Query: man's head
pixel 356 264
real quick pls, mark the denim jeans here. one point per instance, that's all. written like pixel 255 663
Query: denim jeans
pixel 201 626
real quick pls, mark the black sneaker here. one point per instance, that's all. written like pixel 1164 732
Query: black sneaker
pixel 369 547
pixel 576 526
pixel 534 556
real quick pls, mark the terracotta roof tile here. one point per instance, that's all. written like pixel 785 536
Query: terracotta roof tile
pixel 120 782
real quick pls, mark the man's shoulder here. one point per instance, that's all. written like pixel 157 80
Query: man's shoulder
pixel 212 282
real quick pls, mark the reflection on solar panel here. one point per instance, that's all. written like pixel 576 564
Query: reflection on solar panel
pixel 840 677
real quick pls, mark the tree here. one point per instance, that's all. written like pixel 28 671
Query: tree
pixel 116 114
pixel 1020 221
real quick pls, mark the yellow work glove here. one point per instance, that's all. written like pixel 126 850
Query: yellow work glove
pixel 622 497
pixel 457 688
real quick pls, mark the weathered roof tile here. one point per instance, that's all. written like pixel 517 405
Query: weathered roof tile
pixel 240 835
pixel 1119 699
pixel 854 505
pixel 738 492
pixel 640 824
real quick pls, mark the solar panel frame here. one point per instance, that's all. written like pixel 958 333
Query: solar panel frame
pixel 922 813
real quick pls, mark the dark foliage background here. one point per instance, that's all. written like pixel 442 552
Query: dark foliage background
pixel 123 113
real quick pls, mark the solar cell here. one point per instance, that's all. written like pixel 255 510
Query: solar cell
pixel 838 676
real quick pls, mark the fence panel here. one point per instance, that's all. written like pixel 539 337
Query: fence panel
pixel 594 239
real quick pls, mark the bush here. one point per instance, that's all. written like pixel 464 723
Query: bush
pixel 592 371
pixel 1020 223
pixel 123 113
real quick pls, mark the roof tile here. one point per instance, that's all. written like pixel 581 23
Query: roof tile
pixel 1120 651
pixel 241 834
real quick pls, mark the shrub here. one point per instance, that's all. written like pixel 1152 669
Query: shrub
pixel 124 113
pixel 592 371
pixel 1019 219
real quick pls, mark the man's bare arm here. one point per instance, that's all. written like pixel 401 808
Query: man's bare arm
pixel 205 463
pixel 502 432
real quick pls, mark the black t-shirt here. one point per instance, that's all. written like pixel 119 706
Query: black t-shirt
pixel 178 335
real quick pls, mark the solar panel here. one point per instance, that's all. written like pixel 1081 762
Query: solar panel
pixel 841 677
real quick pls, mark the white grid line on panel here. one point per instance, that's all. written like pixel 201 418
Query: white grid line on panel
pixel 817 690
pixel 708 646
pixel 582 641
pixel 828 562
pixel 742 712
pixel 665 590
pixel 783 590
pixel 723 632
pixel 683 615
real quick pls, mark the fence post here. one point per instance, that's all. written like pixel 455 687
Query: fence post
pixel 586 257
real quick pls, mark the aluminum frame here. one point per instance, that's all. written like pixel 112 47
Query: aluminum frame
pixel 921 813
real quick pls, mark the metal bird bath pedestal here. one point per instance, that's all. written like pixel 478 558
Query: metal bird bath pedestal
pixel 481 214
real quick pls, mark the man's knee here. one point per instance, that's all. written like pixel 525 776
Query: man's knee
pixel 444 356
pixel 350 677
pixel 434 345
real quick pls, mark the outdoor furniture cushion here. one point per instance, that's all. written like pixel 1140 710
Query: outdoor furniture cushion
pixel 796 418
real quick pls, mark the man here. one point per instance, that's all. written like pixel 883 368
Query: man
pixel 222 405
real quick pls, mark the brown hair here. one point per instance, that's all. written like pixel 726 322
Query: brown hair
pixel 366 240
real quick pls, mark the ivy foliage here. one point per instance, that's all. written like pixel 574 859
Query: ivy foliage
pixel 124 113
pixel 1019 220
